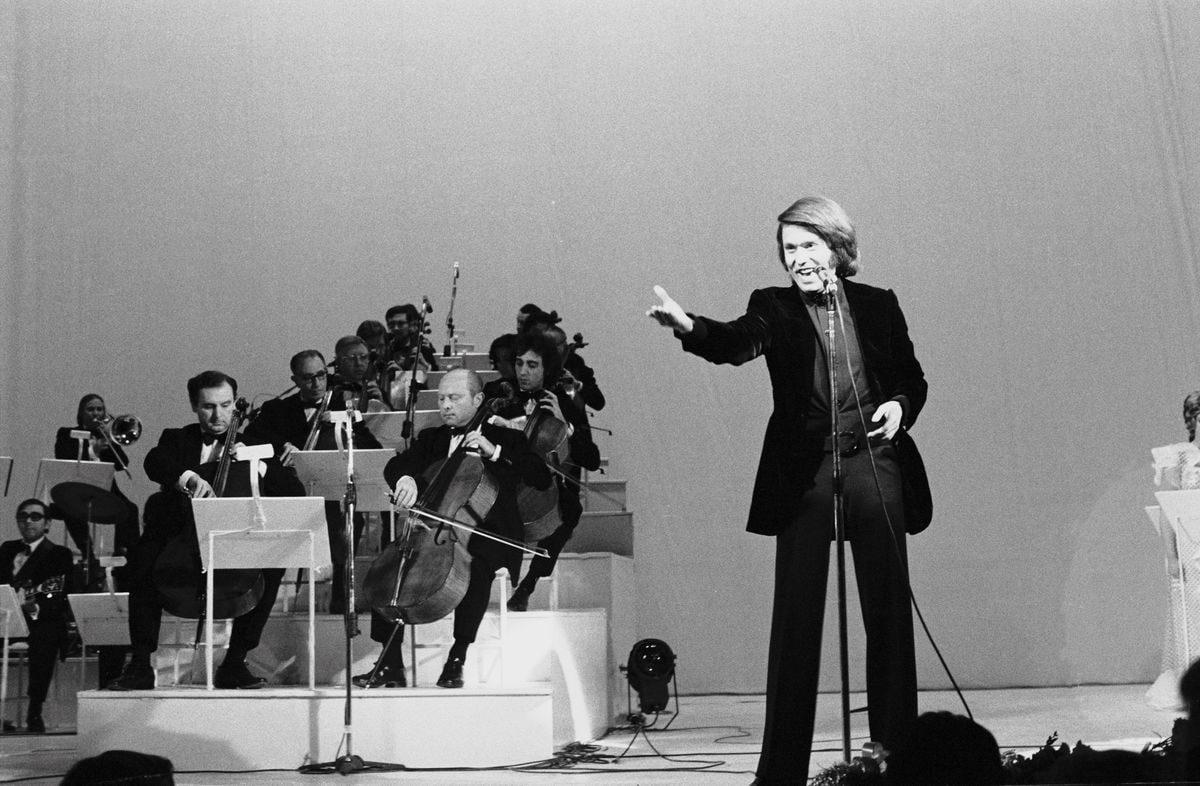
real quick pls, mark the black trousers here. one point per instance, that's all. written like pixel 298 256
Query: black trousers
pixel 801 573
pixel 336 527
pixel 145 607
pixel 46 637
pixel 570 509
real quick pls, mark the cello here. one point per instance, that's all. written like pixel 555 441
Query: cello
pixel 179 576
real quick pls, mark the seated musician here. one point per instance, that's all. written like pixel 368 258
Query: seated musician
pixel 537 373
pixel 355 380
pixel 508 461
pixel 40 571
pixel 291 424
pixel 177 464
pixel 501 355
pixel 573 366
pixel 89 416
pixel 404 323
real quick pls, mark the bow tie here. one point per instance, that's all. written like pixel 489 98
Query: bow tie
pixel 207 439
pixel 525 396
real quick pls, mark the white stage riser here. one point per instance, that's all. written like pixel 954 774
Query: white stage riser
pixel 288 727
pixel 568 650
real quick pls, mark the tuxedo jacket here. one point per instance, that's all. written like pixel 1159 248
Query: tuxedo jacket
pixel 48 560
pixel 777 327
pixel 283 420
pixel 517 464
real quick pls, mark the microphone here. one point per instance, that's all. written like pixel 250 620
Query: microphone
pixel 427 304
pixel 828 280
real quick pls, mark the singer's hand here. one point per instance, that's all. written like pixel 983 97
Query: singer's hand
pixel 405 494
pixel 669 313
pixel 891 413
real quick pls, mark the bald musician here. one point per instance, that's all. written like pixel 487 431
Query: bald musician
pixel 508 461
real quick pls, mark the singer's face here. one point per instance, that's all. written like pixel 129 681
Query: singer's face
pixel 214 408
pixel 803 253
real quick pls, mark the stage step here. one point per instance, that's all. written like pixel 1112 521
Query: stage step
pixel 285 728
pixel 604 494
pixel 603 531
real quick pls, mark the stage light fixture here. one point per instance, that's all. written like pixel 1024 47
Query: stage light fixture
pixel 650 670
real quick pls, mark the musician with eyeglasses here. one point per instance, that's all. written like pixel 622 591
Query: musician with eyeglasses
pixel 41 572
pixel 355 384
pixel 302 422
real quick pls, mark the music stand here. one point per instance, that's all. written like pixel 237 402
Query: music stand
pixel 52 472
pixel 102 617
pixel 323 473
pixel 12 624
pixel 260 532
pixel 6 466
pixel 388 427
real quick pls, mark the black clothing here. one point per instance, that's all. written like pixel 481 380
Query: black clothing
pixel 793 500
pixel 47 571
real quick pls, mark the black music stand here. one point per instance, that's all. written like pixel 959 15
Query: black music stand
pixel 348 762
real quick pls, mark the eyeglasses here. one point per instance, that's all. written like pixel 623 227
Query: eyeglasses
pixel 34 516
pixel 308 379
pixel 363 359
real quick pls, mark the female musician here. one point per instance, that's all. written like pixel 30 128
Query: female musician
pixel 537 370
pixel 91 415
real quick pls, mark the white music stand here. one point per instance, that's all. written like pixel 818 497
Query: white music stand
pixel 12 624
pixel 261 532
pixel 51 472
pixel 388 427
pixel 1178 524
pixel 102 617
pixel 323 473
pixel 6 466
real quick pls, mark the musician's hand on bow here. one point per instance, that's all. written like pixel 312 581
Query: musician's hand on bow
pixel 405 494
pixel 891 413
pixel 669 313
pixel 197 487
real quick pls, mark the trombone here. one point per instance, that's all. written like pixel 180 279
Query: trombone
pixel 120 430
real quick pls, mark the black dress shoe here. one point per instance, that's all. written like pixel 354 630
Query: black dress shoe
pixel 35 724
pixel 237 677
pixel 519 600
pixel 382 677
pixel 133 678
pixel 451 674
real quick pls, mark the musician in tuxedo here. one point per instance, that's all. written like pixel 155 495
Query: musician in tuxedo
pixel 879 393
pixel 177 464
pixel 356 385
pixel 403 323
pixel 41 570
pixel 508 461
pixel 574 369
pixel 537 372
pixel 89 415
pixel 287 424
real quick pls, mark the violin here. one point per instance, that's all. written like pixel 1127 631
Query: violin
pixel 178 574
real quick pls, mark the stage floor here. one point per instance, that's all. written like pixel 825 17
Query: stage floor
pixel 718 734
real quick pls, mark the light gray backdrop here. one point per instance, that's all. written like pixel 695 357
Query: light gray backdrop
pixel 220 184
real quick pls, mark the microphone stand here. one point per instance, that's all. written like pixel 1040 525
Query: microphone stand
pixel 839 525
pixel 349 763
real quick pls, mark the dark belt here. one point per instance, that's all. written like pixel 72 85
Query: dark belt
pixel 848 443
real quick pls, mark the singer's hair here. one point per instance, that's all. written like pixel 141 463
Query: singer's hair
pixel 1191 408
pixel 80 418
pixel 208 379
pixel 543 346
pixel 303 355
pixel 824 217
